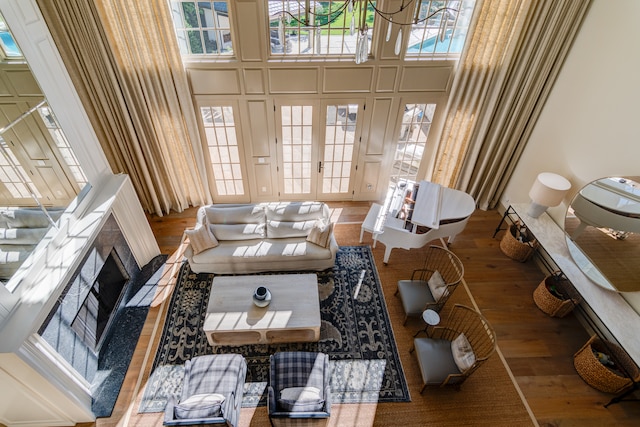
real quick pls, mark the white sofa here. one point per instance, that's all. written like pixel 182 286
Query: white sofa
pixel 21 229
pixel 251 238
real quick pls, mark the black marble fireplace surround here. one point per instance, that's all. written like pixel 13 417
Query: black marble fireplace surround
pixel 97 320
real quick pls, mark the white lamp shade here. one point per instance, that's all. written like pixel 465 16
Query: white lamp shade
pixel 549 189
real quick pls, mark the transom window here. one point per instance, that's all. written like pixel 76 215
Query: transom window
pixel 439 29
pixel 325 28
pixel 202 27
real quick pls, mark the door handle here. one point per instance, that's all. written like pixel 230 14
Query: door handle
pixel 319 166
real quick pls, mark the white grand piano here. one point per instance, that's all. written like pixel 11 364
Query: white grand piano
pixel 415 214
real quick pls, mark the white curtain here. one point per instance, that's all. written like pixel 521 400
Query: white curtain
pixel 505 75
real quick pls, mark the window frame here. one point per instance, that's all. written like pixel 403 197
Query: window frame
pixel 347 45
pixel 181 31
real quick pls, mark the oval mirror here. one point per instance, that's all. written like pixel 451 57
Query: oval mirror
pixel 603 232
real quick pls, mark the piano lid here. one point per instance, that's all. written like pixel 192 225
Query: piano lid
pixel 440 203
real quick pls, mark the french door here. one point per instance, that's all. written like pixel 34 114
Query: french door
pixel 317 148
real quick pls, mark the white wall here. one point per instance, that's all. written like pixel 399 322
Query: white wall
pixel 590 125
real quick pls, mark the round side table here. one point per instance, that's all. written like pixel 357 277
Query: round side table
pixel 431 318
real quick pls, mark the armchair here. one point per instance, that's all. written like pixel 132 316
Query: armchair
pixel 431 286
pixel 211 392
pixel 453 351
pixel 299 388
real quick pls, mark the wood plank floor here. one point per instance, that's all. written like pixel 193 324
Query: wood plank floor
pixel 537 348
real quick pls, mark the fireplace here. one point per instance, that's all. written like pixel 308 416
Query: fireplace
pixel 79 326
pixel 101 303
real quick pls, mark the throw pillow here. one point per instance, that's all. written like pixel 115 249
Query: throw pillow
pixel 201 239
pixel 301 399
pixel 302 394
pixel 437 285
pixel 320 234
pixel 462 353
pixel 200 406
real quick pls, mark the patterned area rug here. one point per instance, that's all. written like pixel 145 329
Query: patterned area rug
pixel 355 332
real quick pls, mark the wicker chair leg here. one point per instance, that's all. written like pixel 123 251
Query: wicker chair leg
pixel 405 319
pixel 423 387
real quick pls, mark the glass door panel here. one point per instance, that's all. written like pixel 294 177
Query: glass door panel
pixel 224 150
pixel 340 146
pixel 412 141
pixel 296 154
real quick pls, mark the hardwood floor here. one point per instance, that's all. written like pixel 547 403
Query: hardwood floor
pixel 537 348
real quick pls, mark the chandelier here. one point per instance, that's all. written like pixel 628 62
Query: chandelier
pixel 312 14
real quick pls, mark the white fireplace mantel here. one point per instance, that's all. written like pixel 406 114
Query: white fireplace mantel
pixel 30 371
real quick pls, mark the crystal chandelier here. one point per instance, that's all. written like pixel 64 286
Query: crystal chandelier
pixel 309 14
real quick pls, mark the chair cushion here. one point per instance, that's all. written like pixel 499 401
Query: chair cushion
pixel 435 359
pixel 320 234
pixel 200 406
pixel 437 285
pixel 201 239
pixel 415 295
pixel 463 354
pixel 301 399
pixel 212 373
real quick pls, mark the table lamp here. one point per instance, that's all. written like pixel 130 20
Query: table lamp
pixel 548 190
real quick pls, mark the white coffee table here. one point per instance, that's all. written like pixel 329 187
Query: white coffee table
pixel 292 316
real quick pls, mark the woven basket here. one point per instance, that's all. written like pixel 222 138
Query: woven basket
pixel 600 377
pixel 514 248
pixel 550 303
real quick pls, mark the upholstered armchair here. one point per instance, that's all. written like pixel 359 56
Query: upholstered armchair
pixel 299 389
pixel 431 286
pixel 211 391
pixel 453 350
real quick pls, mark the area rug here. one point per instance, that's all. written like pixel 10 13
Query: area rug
pixel 355 332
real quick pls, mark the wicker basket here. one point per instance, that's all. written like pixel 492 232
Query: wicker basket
pixel 598 375
pixel 512 246
pixel 551 303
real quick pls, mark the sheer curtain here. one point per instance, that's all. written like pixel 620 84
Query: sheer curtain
pixel 505 76
pixel 124 60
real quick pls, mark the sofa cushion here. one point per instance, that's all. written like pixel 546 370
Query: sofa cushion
pixel 200 406
pixel 28 218
pixel 295 211
pixel 235 214
pixel 262 250
pixel 320 234
pixel 201 239
pixel 282 229
pixel 237 231
pixel 21 236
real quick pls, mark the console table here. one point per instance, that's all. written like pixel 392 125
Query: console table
pixel 615 317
